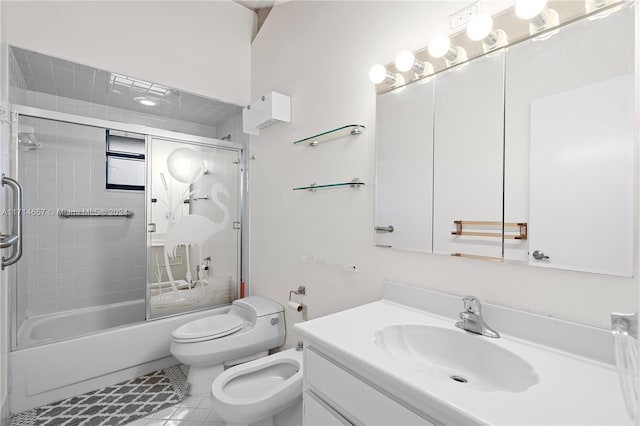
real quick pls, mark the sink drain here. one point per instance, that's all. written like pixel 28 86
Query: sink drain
pixel 458 379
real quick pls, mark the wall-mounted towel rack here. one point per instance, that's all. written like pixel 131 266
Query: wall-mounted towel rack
pixel 355 183
pixel 65 214
pixel 460 224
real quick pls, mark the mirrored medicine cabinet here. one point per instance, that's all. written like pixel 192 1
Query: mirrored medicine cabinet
pixel 525 154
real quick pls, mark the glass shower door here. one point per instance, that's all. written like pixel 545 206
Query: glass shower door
pixel 194 226
pixel 83 268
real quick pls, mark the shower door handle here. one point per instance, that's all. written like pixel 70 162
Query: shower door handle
pixel 13 240
pixel 7 240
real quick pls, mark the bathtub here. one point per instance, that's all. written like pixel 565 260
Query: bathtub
pixel 79 322
pixel 55 369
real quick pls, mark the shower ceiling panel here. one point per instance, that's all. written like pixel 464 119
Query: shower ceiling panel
pixel 42 73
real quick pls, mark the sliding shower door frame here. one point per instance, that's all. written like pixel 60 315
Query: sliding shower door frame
pixel 150 132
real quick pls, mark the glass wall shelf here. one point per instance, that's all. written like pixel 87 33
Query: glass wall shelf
pixel 350 129
pixel 355 183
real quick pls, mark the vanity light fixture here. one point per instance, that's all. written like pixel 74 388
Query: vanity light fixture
pixel 540 17
pixel 481 29
pixel 399 83
pixel 440 45
pixel 379 74
pixel 406 61
pixel 591 6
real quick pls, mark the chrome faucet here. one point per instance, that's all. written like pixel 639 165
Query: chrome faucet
pixel 472 318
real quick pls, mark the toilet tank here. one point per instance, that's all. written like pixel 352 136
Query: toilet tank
pixel 267 318
pixel 260 305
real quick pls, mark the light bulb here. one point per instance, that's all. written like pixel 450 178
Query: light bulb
pixel 405 61
pixel 479 27
pixel 144 101
pixel 439 45
pixel 377 74
pixel 528 9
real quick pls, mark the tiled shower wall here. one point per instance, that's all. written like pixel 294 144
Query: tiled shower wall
pixel 103 112
pixel 77 262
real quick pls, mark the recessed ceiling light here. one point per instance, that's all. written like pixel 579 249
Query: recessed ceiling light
pixel 145 101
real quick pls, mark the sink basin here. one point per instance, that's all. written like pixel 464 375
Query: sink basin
pixel 461 358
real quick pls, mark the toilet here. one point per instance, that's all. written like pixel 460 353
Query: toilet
pixel 264 392
pixel 252 326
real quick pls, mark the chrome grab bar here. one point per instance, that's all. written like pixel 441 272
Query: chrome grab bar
pixel 14 240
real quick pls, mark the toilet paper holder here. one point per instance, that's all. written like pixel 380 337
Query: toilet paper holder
pixel 298 307
pixel 301 290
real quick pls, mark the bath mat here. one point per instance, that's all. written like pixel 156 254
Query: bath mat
pixel 114 405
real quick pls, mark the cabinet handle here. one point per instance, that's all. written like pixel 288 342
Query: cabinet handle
pixel 384 228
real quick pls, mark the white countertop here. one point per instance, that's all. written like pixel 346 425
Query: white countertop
pixel 571 390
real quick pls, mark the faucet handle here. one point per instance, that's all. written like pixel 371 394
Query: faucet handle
pixel 471 304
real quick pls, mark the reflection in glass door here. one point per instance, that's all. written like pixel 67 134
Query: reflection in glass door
pixel 194 218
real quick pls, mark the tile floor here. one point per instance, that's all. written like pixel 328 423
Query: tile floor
pixel 195 410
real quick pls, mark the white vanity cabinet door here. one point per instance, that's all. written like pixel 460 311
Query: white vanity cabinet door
pixel 316 414
pixel 358 399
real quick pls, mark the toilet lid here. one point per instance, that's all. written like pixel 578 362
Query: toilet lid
pixel 208 328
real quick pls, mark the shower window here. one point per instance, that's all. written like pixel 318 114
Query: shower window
pixel 125 165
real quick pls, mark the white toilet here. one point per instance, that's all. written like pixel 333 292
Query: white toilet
pixel 252 326
pixel 264 392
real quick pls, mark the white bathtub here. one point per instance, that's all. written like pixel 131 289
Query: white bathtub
pixel 49 372
pixel 79 322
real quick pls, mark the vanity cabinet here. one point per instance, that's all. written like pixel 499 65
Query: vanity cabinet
pixel 333 395
pixel 319 413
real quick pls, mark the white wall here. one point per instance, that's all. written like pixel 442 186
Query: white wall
pixel 324 69
pixel 200 47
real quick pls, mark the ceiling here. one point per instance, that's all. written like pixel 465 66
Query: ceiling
pixel 42 73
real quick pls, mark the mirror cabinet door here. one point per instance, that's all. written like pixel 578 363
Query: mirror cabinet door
pixel 569 154
pixel 404 167
pixel 468 151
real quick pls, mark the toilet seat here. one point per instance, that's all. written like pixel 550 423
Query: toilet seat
pixel 249 392
pixel 208 328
